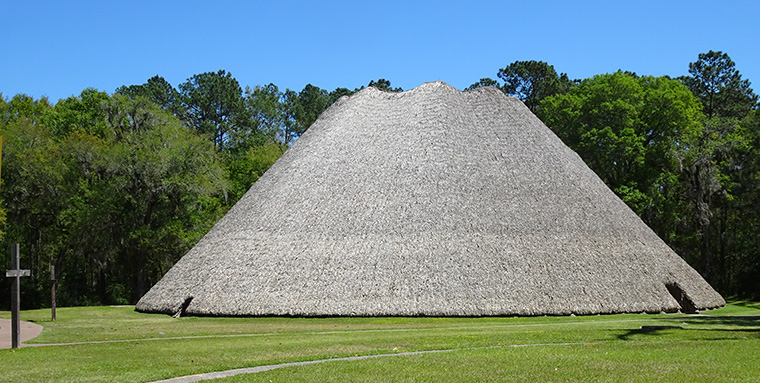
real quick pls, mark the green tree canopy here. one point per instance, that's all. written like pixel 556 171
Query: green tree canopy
pixel 484 82
pixel 244 170
pixel 312 101
pixel 720 164
pixel 264 104
pixel 384 84
pixel 631 131
pixel 22 106
pixel 112 200
pixel 302 109
pixel 157 90
pixel 214 105
pixel 83 113
pixel 338 93
pixel 744 222
pixel 532 81
pixel 719 85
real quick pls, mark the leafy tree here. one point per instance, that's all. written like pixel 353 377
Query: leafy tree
pixel 484 82
pixel 634 133
pixel 3 109
pixel 717 176
pixel 302 109
pixel 723 184
pixel 214 106
pixel 312 101
pixel 157 90
pixel 338 93
pixel 247 169
pixel 83 113
pixel 21 113
pixel 31 195
pixel 383 84
pixel 291 127
pixel 3 122
pixel 709 186
pixel 22 106
pixel 163 174
pixel 743 222
pixel 264 104
pixel 113 202
pixel 532 81
pixel 719 85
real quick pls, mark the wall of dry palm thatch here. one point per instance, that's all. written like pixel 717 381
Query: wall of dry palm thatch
pixel 428 202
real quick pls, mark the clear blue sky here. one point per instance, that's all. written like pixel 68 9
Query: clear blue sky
pixel 57 49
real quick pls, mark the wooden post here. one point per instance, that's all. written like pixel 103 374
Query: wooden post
pixel 16 273
pixel 53 287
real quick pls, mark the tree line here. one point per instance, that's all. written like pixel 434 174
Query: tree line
pixel 112 189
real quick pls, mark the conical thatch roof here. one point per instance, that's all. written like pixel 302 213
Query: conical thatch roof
pixel 429 202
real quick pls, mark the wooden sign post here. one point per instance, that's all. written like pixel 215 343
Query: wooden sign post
pixel 53 286
pixel 16 273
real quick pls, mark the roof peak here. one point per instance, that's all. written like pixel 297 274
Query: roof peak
pixel 430 87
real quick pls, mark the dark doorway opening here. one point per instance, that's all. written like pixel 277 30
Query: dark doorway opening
pixel 687 306
pixel 183 308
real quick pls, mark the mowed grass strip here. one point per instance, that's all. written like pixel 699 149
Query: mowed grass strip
pixel 646 361
pixel 718 347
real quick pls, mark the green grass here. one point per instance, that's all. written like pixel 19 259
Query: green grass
pixel 722 346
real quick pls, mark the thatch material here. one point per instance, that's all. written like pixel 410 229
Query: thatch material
pixel 429 202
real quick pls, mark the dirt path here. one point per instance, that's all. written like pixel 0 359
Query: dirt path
pixel 28 331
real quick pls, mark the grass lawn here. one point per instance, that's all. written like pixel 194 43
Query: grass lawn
pixel 723 345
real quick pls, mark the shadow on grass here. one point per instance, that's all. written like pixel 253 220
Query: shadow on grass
pixel 646 330
pixel 734 321
pixel 729 324
pixel 745 303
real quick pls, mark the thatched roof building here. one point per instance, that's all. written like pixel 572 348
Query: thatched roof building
pixel 429 202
